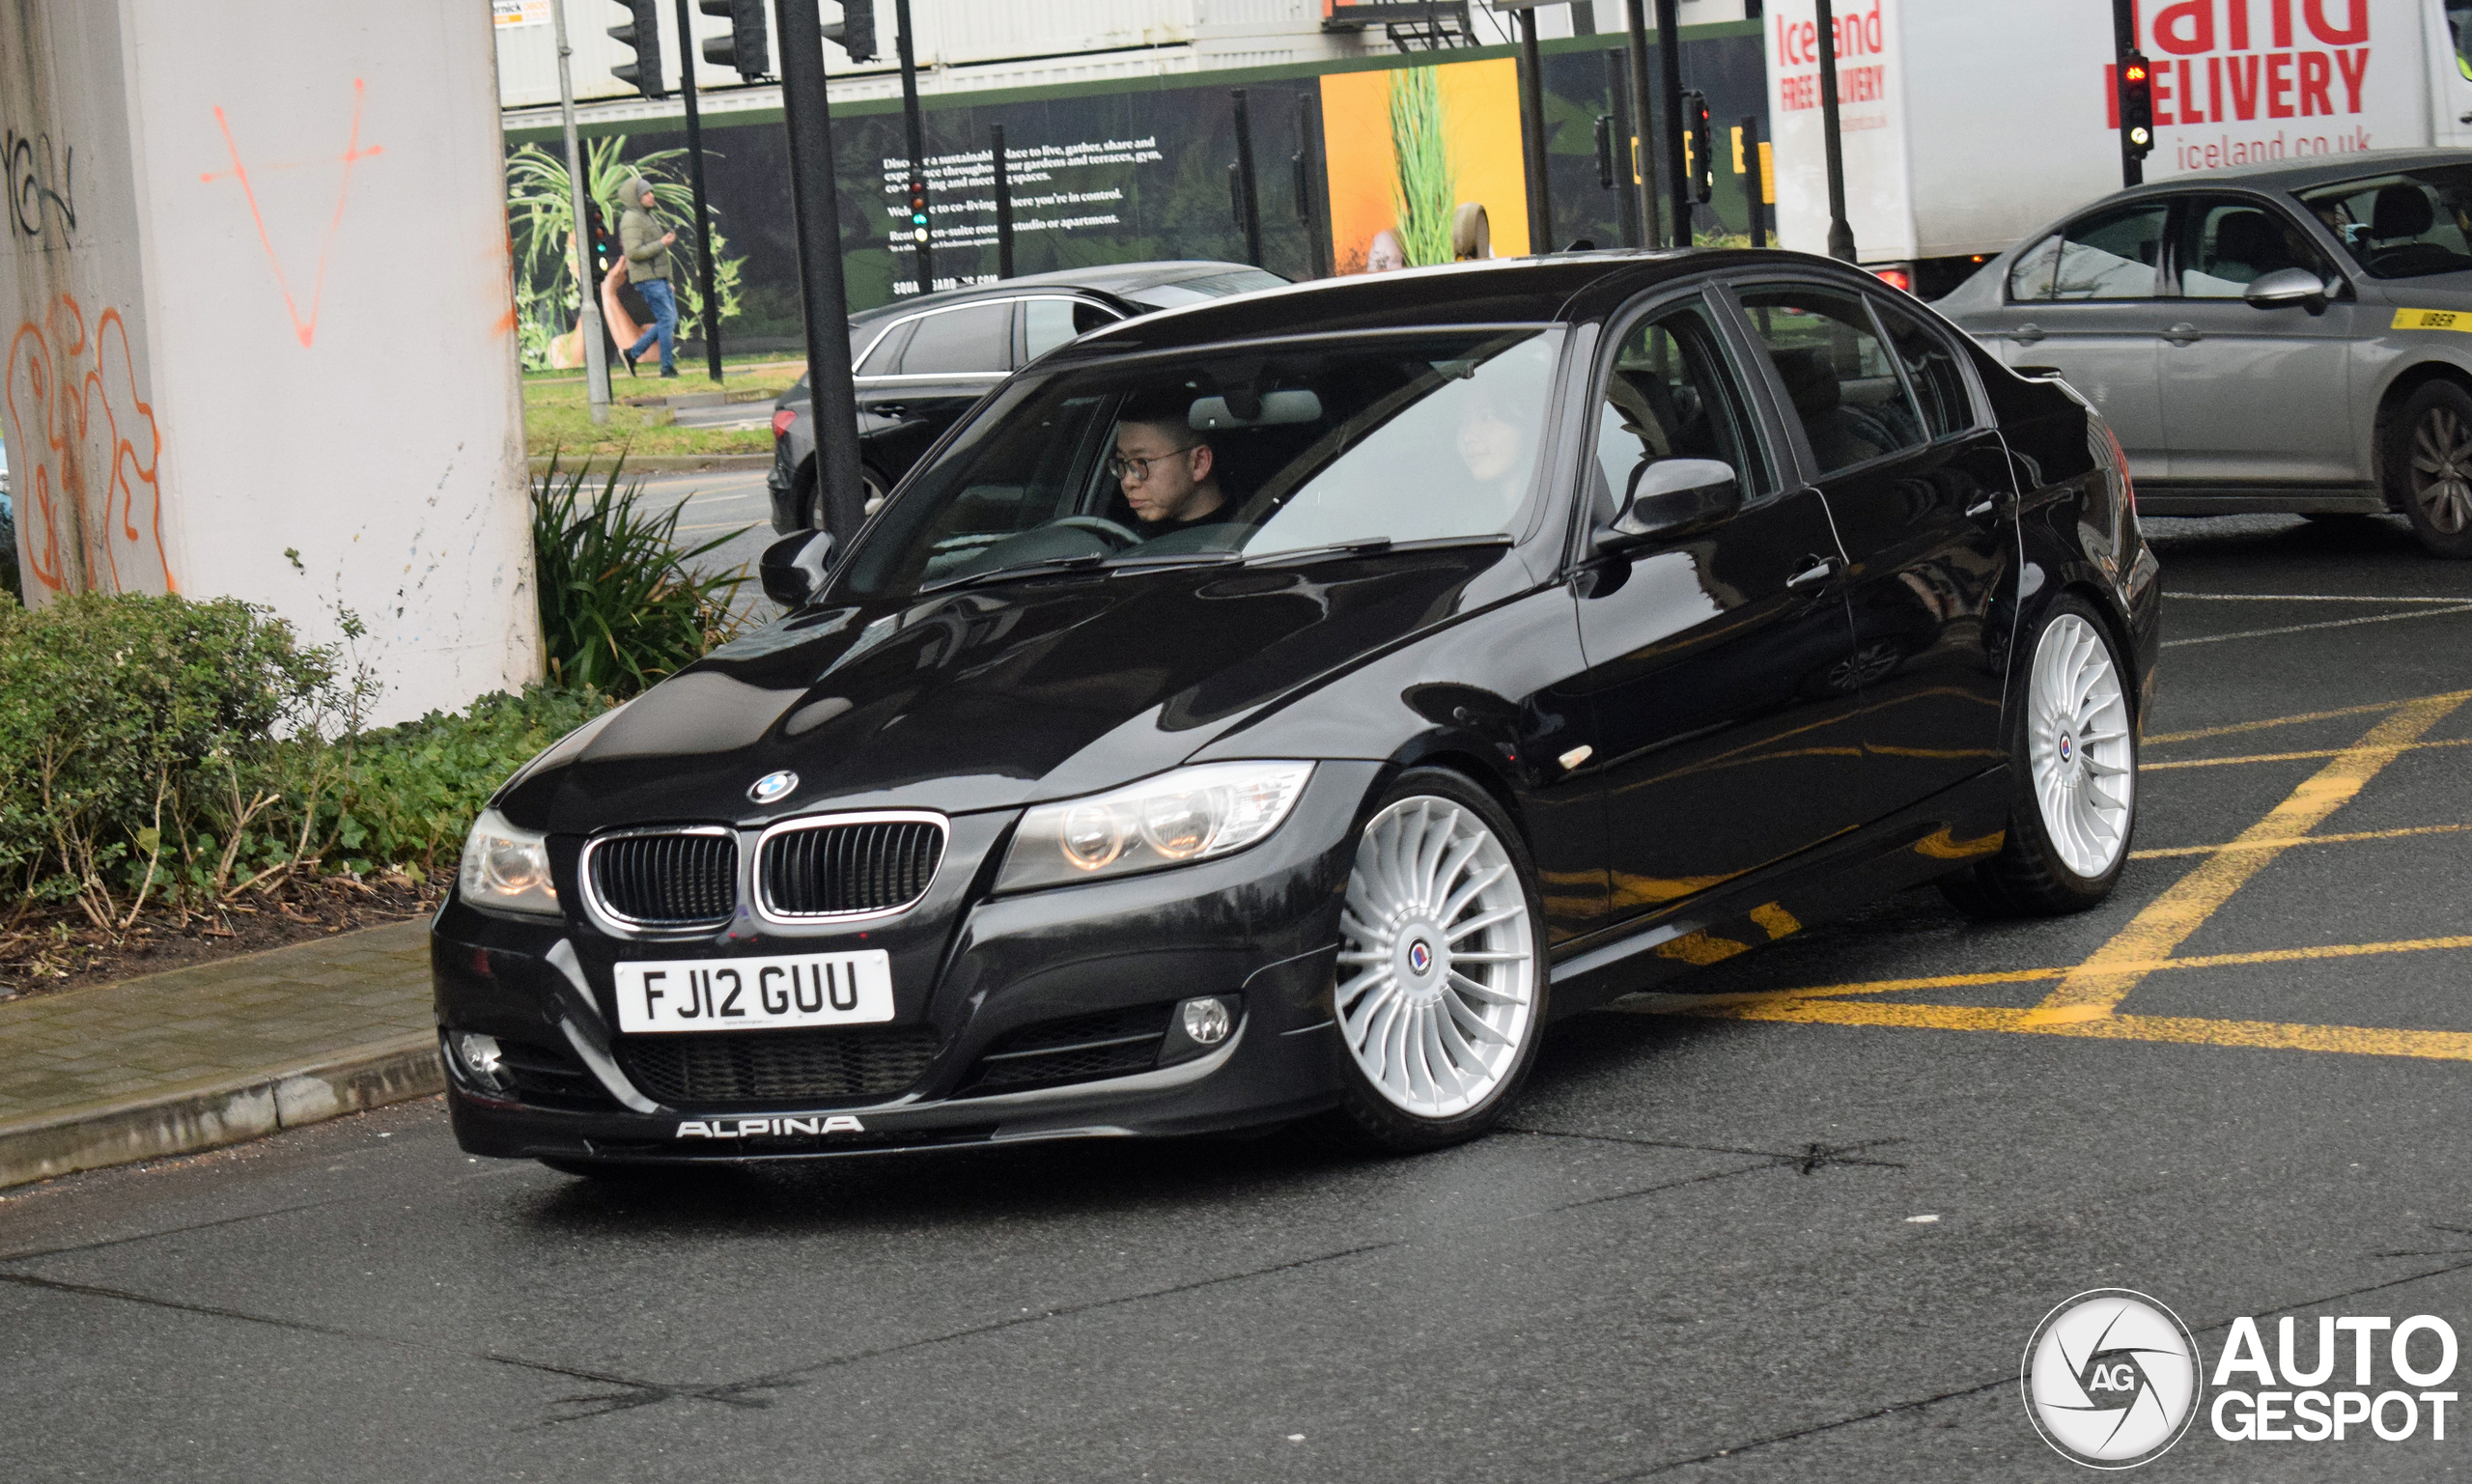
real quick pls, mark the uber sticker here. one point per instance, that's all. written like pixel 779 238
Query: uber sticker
pixel 2432 320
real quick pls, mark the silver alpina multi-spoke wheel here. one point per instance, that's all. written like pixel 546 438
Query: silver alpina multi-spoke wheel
pixel 1439 985
pixel 2078 747
pixel 2429 467
pixel 2073 754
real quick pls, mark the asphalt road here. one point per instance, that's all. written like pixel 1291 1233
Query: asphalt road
pixel 1764 1236
pixel 720 506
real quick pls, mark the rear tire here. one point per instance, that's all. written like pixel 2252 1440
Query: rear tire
pixel 872 487
pixel 2072 759
pixel 1440 994
pixel 2429 467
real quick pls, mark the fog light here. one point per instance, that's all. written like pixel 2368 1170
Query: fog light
pixel 1206 1020
pixel 481 1058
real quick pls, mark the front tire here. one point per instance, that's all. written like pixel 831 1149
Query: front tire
pixel 1440 987
pixel 2429 467
pixel 2072 754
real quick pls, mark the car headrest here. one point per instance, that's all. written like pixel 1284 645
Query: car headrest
pixel 1810 380
pixel 2402 209
pixel 2249 238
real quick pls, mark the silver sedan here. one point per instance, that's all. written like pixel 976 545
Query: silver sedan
pixel 2291 337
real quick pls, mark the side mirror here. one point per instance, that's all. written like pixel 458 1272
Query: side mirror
pixel 2284 288
pixel 1673 497
pixel 792 567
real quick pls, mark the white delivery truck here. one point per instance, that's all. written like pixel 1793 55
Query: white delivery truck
pixel 1968 123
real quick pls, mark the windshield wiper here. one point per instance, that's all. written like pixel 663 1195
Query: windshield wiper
pixel 1370 545
pixel 1010 571
pixel 1169 561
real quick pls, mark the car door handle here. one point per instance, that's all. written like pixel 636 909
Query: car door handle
pixel 1977 512
pixel 1819 570
pixel 2183 333
pixel 2026 334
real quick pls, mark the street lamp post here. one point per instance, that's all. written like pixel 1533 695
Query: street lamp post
pixel 596 360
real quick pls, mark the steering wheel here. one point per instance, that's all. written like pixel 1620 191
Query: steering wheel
pixel 1106 527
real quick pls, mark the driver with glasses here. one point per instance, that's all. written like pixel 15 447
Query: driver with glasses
pixel 1168 473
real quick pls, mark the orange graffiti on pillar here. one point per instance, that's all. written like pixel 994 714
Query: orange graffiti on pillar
pixel 82 435
pixel 304 328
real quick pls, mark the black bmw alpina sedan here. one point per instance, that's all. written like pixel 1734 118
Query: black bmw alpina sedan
pixel 1280 708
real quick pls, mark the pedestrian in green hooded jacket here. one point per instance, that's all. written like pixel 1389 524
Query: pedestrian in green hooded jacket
pixel 646 245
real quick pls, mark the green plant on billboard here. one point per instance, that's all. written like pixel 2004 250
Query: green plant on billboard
pixel 541 222
pixel 1424 187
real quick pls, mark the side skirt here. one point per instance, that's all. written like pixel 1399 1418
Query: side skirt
pixel 1943 833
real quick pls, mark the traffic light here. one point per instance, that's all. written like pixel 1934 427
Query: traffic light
pixel 2137 105
pixel 642 32
pixel 918 209
pixel 747 48
pixel 1699 148
pixel 856 30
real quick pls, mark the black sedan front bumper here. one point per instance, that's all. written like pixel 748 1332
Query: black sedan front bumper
pixel 1049 1018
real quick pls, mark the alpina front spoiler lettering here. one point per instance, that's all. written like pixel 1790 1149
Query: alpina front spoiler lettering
pixel 768 1128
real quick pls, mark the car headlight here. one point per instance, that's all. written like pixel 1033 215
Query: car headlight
pixel 1191 814
pixel 507 869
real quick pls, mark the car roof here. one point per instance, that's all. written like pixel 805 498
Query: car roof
pixel 2290 175
pixel 1557 287
pixel 1123 279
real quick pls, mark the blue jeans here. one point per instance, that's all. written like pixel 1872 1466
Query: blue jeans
pixel 664 307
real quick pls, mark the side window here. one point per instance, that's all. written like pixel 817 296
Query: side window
pixel 2226 244
pixel 2031 278
pixel 886 353
pixel 2113 255
pixel 1839 377
pixel 1931 372
pixel 972 338
pixel 1670 394
pixel 1051 322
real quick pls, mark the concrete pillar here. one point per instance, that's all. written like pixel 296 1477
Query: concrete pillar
pixel 260 331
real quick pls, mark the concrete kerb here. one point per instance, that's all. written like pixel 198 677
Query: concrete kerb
pixel 232 1110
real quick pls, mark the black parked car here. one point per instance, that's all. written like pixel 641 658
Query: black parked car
pixel 1483 643
pixel 923 362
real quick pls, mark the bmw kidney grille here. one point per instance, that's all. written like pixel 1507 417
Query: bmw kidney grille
pixel 848 867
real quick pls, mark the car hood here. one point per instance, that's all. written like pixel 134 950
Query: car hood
pixel 988 697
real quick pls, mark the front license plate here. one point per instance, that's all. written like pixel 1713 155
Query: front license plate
pixel 807 988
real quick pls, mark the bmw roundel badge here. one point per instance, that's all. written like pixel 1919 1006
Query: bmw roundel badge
pixel 774 786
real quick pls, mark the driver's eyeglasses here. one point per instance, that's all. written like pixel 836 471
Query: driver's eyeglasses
pixel 1138 469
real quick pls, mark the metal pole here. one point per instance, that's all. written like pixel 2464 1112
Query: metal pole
pixel 596 360
pixel 1677 178
pixel 695 182
pixel 1643 108
pixel 2124 42
pixel 1248 200
pixel 1841 233
pixel 1532 119
pixel 832 406
pixel 1754 181
pixel 1626 175
pixel 1004 202
pixel 1307 164
pixel 918 145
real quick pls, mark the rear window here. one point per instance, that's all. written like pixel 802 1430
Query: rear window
pixel 2407 224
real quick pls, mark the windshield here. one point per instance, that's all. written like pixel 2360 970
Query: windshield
pixel 2403 225
pixel 1222 455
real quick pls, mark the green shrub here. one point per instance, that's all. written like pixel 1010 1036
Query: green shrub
pixel 414 789
pixel 156 744
pixel 620 608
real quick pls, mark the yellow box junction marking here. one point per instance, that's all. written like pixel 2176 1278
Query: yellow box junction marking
pixel 2094 987
pixel 2085 1002
pixel 2431 320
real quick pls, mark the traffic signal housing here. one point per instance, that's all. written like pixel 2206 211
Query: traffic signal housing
pixel 1699 148
pixel 855 31
pixel 2137 105
pixel 918 209
pixel 747 48
pixel 642 32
